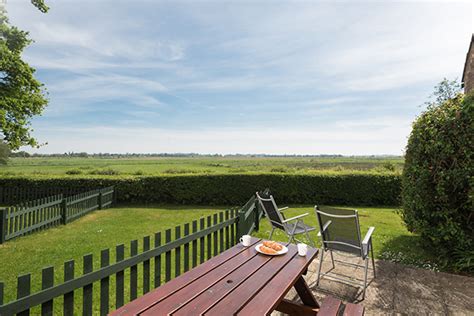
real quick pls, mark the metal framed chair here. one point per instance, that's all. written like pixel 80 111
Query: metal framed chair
pixel 340 231
pixel 291 226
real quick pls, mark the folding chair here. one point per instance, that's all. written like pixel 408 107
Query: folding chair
pixel 291 226
pixel 340 231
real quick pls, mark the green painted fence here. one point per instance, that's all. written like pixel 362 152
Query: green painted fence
pixel 118 283
pixel 32 216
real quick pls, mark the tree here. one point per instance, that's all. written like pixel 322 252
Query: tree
pixel 438 177
pixel 4 153
pixel 21 95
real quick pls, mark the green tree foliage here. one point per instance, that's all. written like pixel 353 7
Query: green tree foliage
pixel 437 181
pixel 21 95
pixel 4 153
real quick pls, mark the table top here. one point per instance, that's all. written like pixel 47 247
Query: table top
pixel 238 281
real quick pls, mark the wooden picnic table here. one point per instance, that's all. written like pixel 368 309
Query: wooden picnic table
pixel 238 281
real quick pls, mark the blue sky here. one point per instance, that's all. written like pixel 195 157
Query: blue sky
pixel 241 76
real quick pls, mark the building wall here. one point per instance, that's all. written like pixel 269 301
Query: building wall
pixel 469 72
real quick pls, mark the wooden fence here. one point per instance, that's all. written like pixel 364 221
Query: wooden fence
pixel 28 217
pixel 17 194
pixel 193 243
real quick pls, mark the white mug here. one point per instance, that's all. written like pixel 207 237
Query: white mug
pixel 302 249
pixel 245 240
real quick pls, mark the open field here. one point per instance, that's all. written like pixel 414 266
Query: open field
pixel 194 165
pixel 105 229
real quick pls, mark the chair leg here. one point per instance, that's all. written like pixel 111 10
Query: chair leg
pixel 372 254
pixel 271 233
pixel 365 275
pixel 310 241
pixel 320 265
pixel 332 259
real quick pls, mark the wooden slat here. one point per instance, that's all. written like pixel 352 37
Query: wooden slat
pixel 195 245
pixel 68 305
pixel 221 233
pixel 215 236
pixel 354 310
pixel 227 230
pixel 170 288
pixel 2 289
pixel 157 260
pixel 186 249
pixel 330 306
pixel 146 266
pixel 167 256
pixel 87 289
pixel 133 271
pixel 47 281
pixel 201 242
pixel 219 287
pixel 177 253
pixel 104 283
pixel 209 239
pixel 23 290
pixel 266 301
pixel 292 308
pixel 119 277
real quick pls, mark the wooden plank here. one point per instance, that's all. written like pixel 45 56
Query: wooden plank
pixel 247 289
pixel 133 271
pixel 181 294
pixel 47 281
pixel 68 305
pixel 292 308
pixel 186 249
pixel 304 292
pixel 209 239
pixel 104 283
pixel 170 288
pixel 146 266
pixel 201 241
pixel 215 236
pixel 354 310
pixel 266 301
pixel 167 256
pixel 195 245
pixel 330 306
pixel 157 260
pixel 119 277
pixel 23 290
pixel 87 289
pixel 177 253
pixel 227 230
pixel 219 287
pixel 221 233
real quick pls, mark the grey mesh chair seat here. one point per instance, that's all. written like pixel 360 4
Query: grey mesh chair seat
pixel 291 226
pixel 301 228
pixel 340 231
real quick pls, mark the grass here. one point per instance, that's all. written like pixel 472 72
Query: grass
pixel 74 167
pixel 106 229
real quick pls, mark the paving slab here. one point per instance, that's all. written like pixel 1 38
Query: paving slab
pixel 396 290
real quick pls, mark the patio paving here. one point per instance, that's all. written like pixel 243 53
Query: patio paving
pixel 397 290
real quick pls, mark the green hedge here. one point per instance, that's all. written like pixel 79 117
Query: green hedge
pixel 348 189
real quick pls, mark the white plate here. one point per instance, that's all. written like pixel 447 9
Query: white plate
pixel 281 252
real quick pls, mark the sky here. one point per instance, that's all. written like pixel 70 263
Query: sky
pixel 295 77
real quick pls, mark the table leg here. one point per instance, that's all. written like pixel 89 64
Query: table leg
pixel 305 293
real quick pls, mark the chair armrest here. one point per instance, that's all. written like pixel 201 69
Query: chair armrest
pixel 368 235
pixel 283 208
pixel 295 217
pixel 325 227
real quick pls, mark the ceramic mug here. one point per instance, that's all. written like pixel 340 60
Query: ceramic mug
pixel 302 249
pixel 245 240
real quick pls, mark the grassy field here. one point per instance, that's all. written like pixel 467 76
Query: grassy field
pixel 61 166
pixel 105 229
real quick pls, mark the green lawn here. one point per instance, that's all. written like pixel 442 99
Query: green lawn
pixel 107 228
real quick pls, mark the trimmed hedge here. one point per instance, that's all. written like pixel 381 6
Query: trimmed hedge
pixel 348 189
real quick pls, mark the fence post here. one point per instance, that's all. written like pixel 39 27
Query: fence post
pixel 3 225
pixel 64 211
pixel 100 199
pixel 240 224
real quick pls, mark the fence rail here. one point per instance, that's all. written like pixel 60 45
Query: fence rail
pixel 189 247
pixel 31 216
